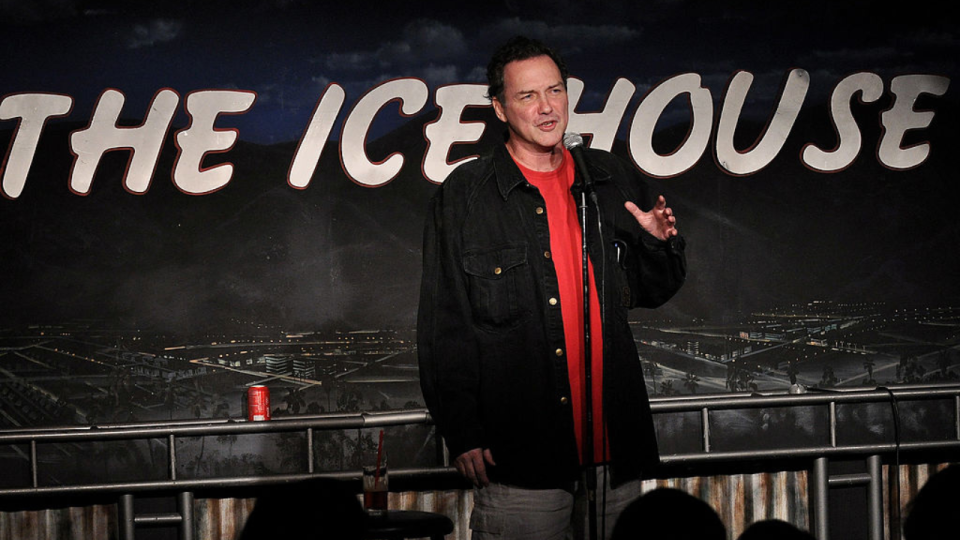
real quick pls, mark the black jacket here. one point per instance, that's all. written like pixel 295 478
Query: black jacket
pixel 492 366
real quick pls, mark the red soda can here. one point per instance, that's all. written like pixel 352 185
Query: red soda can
pixel 258 403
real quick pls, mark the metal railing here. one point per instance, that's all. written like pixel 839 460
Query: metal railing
pixel 706 406
pixel 820 480
pixel 173 430
pixel 825 398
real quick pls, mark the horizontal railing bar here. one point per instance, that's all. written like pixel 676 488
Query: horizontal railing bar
pixel 847 480
pixel 158 519
pixel 421 416
pixel 230 426
pixel 437 473
pixel 692 404
pixel 808 452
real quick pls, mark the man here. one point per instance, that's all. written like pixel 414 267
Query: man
pixel 500 329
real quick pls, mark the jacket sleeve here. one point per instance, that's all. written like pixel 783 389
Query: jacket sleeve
pixel 659 271
pixel 446 345
pixel 655 269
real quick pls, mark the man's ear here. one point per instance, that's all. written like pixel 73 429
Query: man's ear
pixel 498 109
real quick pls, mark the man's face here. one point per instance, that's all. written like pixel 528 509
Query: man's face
pixel 534 104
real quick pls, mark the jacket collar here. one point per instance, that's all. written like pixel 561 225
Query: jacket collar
pixel 508 175
pixel 505 171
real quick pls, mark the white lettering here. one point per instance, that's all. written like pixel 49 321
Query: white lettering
pixel 645 121
pixel 775 135
pixel 200 138
pixel 448 130
pixel 103 135
pixel 413 94
pixel 870 87
pixel 33 110
pixel 308 152
pixel 903 117
pixel 603 125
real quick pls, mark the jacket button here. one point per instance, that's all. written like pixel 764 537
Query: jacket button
pixel 539 210
pixel 564 400
pixel 546 254
pixel 497 270
pixel 552 301
pixel 559 352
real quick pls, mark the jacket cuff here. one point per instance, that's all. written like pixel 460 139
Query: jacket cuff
pixel 674 244
pixel 463 441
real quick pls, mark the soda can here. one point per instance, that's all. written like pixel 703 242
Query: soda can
pixel 258 403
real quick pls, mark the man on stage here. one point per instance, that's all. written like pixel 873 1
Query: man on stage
pixel 500 330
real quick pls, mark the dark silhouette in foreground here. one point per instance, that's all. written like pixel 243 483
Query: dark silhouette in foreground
pixel 669 514
pixel 774 529
pixel 933 512
pixel 318 508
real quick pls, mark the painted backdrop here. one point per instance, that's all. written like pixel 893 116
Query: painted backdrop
pixel 201 196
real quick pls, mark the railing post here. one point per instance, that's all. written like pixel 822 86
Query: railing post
pixel 819 491
pixel 34 463
pixel 185 504
pixel 310 451
pixel 893 490
pixel 875 497
pixel 956 417
pixel 172 456
pixel 125 516
pixel 705 428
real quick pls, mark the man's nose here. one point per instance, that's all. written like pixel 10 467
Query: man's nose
pixel 546 106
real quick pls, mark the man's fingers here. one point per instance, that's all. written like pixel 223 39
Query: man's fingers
pixel 480 470
pixel 472 473
pixel 661 206
pixel 659 221
pixel 471 466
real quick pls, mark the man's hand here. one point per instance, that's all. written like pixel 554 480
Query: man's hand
pixel 659 221
pixel 473 466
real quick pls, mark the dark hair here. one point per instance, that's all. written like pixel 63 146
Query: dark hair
pixel 313 508
pixel 774 529
pixel 518 48
pixel 931 515
pixel 669 514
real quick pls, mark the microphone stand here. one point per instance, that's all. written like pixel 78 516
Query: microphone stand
pixel 588 458
pixel 574 143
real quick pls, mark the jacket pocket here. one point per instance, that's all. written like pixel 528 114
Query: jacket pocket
pixel 498 279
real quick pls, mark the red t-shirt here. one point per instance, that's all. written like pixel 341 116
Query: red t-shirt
pixel 566 254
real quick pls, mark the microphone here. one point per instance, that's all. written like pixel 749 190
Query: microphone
pixel 574 143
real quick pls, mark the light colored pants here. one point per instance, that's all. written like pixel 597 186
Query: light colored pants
pixel 505 512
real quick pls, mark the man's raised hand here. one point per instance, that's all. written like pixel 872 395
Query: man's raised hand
pixel 659 221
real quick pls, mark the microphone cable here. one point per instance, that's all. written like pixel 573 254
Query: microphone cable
pixel 895 472
pixel 601 294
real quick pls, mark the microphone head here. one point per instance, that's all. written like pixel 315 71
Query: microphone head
pixel 572 140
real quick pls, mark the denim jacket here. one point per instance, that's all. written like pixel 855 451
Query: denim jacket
pixel 490 334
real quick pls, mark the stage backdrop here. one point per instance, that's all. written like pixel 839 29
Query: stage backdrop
pixel 201 196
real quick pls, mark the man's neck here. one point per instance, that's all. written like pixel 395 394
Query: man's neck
pixel 540 159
